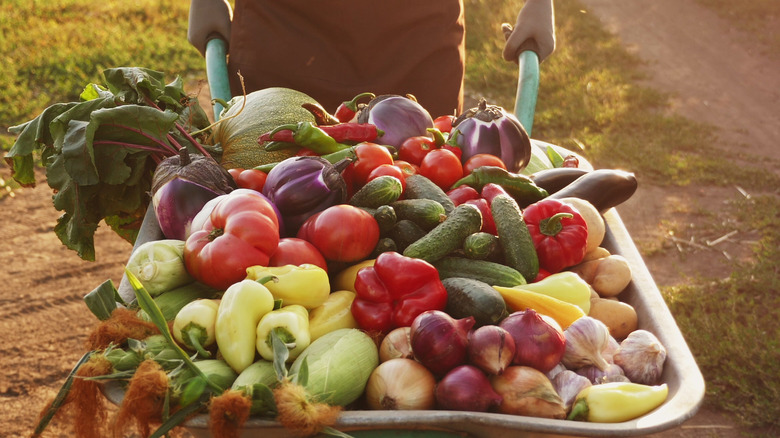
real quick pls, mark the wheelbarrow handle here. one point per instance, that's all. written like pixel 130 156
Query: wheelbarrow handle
pixel 527 84
pixel 217 72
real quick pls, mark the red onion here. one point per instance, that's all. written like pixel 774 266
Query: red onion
pixel 466 388
pixel 491 349
pixel 440 341
pixel 527 391
pixel 538 344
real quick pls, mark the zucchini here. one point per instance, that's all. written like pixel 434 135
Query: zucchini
pixel 420 187
pixel 480 245
pixel 404 232
pixel 469 297
pixel 604 188
pixel 448 235
pixel 514 237
pixel 381 190
pixel 426 213
pixel 492 273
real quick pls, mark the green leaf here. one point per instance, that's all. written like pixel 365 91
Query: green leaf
pixel 555 158
pixel 263 401
pixel 192 391
pixel 302 378
pixel 281 353
pixel 102 300
pixel 176 419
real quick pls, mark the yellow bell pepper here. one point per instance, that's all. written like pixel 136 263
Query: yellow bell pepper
pixel 566 286
pixel 345 280
pixel 334 313
pixel 291 323
pixel 307 285
pixel 240 310
pixel 562 312
pixel 615 402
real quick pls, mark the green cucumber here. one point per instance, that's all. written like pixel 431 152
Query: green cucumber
pixel 385 244
pixel 420 187
pixel 381 190
pixel 492 273
pixel 514 237
pixel 426 213
pixel 469 297
pixel 448 235
pixel 385 217
pixel 404 232
pixel 480 245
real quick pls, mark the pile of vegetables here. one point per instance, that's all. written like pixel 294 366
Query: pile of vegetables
pixel 393 261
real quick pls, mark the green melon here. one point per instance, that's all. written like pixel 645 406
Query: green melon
pixel 264 110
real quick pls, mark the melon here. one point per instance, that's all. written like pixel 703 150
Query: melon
pixel 265 109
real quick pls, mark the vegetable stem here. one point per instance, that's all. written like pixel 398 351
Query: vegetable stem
pixel 168 149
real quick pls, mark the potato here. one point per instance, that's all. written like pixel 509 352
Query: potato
pixel 598 253
pixel 619 317
pixel 596 226
pixel 612 275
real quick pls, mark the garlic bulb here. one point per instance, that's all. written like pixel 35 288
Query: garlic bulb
pixel 586 339
pixel 642 356
pixel 568 384
pixel 612 347
pixel 612 373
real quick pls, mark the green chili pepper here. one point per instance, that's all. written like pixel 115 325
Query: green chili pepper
pixel 307 135
pixel 519 186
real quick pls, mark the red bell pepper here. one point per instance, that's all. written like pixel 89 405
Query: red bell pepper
pixel 559 233
pixel 393 291
pixel 241 231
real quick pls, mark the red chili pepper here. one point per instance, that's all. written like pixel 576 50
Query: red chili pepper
pixel 396 289
pixel 488 224
pixel 461 194
pixel 559 233
pixel 341 133
pixel 347 110
pixel 491 190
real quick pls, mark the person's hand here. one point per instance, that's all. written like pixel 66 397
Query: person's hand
pixel 208 17
pixel 536 21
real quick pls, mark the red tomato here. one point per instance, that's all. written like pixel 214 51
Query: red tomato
pixel 306 152
pixel 342 233
pixel 444 123
pixel 368 156
pixel 251 179
pixel 235 172
pixel 241 231
pixel 414 149
pixel 488 224
pixel 392 170
pixel 294 251
pixel 442 167
pixel 480 160
pixel 406 167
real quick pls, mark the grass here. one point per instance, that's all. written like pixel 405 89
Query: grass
pixel 590 101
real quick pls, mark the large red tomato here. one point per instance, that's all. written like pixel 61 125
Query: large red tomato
pixel 294 251
pixel 442 167
pixel 368 156
pixel 342 233
pixel 480 160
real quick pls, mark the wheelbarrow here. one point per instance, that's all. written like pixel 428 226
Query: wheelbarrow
pixel 681 373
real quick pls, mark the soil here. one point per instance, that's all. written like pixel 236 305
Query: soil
pixel 715 74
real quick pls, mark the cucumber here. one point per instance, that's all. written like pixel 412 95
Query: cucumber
pixel 492 273
pixel 480 245
pixel 386 218
pixel 468 297
pixel 448 235
pixel 404 232
pixel 420 187
pixel 426 213
pixel 384 244
pixel 514 237
pixel 381 190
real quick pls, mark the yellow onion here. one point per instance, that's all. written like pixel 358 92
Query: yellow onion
pixel 400 384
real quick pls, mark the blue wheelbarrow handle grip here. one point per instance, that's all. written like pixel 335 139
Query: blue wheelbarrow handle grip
pixel 217 72
pixel 527 88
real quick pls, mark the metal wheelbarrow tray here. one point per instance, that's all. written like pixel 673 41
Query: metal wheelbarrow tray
pixel 681 373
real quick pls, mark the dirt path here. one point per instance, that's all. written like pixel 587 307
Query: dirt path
pixel 690 52
pixel 716 75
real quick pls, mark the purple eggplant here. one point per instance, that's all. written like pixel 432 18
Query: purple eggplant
pixel 398 117
pixel 302 186
pixel 177 202
pixel 489 129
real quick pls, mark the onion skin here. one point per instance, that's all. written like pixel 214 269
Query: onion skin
pixel 440 341
pixel 539 344
pixel 491 349
pixel 527 391
pixel 396 344
pixel 177 202
pixel 401 384
pixel 466 388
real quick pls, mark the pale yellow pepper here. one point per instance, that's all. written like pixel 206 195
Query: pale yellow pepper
pixel 616 402
pixel 334 313
pixel 345 280
pixel 240 310
pixel 566 286
pixel 291 323
pixel 307 285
